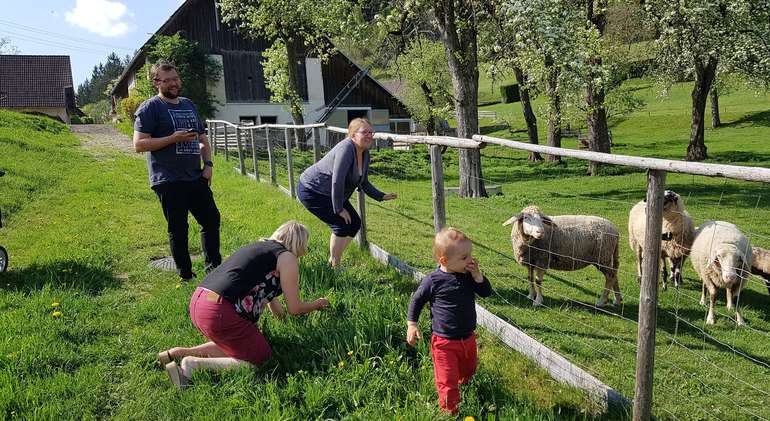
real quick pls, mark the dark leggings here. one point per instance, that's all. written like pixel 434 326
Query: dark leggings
pixel 179 198
pixel 321 206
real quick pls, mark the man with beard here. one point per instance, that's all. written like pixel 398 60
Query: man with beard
pixel 169 128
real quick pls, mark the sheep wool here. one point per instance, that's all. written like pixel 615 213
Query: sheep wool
pixel 677 234
pixel 721 256
pixel 566 242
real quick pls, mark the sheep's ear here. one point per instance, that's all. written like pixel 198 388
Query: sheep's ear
pixel 513 219
pixel 547 220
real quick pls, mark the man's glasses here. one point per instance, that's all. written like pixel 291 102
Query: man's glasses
pixel 171 79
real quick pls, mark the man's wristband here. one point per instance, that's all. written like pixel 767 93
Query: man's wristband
pixel 208 164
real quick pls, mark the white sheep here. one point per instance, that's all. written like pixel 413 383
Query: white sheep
pixel 566 242
pixel 721 255
pixel 677 234
pixel 760 264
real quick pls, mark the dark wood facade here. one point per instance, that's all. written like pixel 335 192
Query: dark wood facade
pixel 199 20
pixel 336 74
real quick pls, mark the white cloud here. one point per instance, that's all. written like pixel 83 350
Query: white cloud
pixel 106 18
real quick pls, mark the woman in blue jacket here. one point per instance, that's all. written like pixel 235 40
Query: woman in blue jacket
pixel 325 187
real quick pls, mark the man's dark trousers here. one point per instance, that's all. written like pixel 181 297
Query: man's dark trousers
pixel 177 199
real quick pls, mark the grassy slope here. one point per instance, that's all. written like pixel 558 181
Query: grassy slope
pixel 82 225
pixel 690 381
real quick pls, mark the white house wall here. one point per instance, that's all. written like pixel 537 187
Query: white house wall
pixel 233 111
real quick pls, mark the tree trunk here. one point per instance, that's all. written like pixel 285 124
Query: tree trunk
pixel 704 77
pixel 526 108
pixel 554 109
pixel 598 132
pixel 715 120
pixel 461 51
pixel 430 125
pixel 295 103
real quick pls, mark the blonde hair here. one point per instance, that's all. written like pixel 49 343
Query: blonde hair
pixel 356 124
pixel 446 240
pixel 294 236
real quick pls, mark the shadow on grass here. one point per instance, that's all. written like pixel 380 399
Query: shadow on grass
pixel 484 130
pixel 761 118
pixel 682 322
pixel 731 157
pixel 63 275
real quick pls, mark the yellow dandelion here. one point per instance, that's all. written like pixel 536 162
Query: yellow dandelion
pixel 178 286
pixel 56 314
pixel 341 364
pixel 350 353
pixel 469 418
pixel 55 304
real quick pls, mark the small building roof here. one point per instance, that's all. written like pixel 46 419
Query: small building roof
pixel 34 81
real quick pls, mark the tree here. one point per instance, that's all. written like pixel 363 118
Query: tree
pixel 751 54
pixel 699 36
pixel 545 43
pixel 94 88
pixel 6 47
pixel 598 132
pixel 456 21
pixel 498 46
pixel 568 57
pixel 423 66
pixel 196 69
pixel 297 28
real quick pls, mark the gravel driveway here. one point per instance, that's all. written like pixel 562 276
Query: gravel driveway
pixel 102 135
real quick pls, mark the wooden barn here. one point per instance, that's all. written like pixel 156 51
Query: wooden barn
pixel 241 91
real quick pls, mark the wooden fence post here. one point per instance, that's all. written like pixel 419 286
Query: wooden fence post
pixel 648 296
pixel 361 236
pixel 289 164
pixel 213 138
pixel 240 150
pixel 254 154
pixel 270 157
pixel 227 152
pixel 316 144
pixel 437 176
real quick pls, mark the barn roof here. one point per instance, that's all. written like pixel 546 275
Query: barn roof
pixel 34 81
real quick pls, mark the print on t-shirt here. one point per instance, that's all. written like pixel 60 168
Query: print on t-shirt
pixel 186 119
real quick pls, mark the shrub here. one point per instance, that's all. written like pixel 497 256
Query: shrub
pixel 97 112
pixel 510 93
pixel 127 107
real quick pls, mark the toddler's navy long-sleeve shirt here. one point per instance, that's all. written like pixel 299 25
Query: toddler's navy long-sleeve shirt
pixel 452 298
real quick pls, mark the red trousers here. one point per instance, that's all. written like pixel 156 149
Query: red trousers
pixel 454 362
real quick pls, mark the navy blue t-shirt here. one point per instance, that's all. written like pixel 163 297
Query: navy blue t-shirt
pixel 179 161
pixel 452 300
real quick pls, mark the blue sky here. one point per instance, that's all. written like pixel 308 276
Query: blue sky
pixel 85 30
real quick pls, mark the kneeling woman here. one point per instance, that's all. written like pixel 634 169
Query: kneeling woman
pixel 227 304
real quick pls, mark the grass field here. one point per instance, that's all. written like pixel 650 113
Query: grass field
pixel 81 225
pixel 702 372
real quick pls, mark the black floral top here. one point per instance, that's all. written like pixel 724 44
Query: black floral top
pixel 252 304
pixel 249 279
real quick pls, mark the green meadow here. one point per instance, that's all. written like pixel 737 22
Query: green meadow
pixel 83 315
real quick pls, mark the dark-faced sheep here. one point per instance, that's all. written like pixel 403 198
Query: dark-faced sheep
pixel 677 234
pixel 566 242
pixel 721 255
